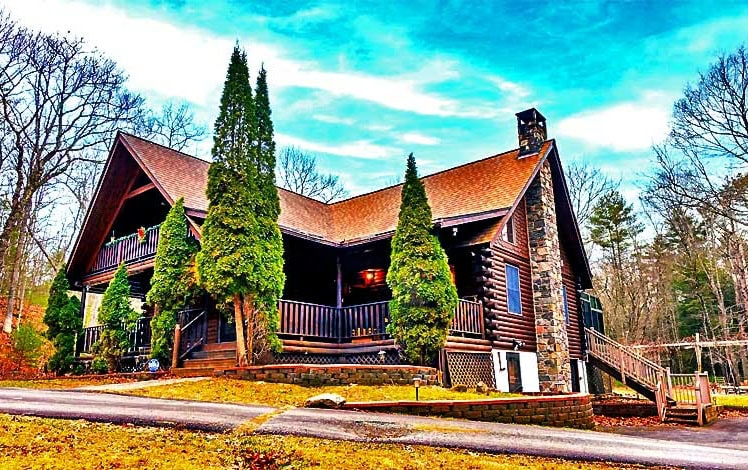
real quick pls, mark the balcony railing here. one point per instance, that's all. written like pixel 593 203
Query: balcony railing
pixel 129 249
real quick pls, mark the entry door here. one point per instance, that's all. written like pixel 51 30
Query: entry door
pixel 513 370
pixel 226 330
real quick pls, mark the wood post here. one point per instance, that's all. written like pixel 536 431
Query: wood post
pixel 339 283
pixel 175 349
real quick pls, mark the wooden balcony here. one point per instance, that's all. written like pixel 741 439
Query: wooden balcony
pixel 128 250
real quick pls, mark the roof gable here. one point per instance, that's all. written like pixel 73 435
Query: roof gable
pixel 474 188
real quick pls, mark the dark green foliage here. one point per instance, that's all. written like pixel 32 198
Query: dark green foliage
pixel 118 318
pixel 173 281
pixel 423 294
pixel 242 250
pixel 64 323
pixel 613 224
pixel 99 366
pixel 27 346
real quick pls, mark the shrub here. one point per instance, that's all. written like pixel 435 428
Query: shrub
pixel 27 347
pixel 99 366
pixel 117 317
pixel 64 322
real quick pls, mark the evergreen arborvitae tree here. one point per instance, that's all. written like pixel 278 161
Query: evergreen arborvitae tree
pixel 117 317
pixel 173 281
pixel 241 256
pixel 63 321
pixel 423 294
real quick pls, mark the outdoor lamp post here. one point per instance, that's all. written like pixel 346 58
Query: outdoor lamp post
pixel 417 385
pixel 382 356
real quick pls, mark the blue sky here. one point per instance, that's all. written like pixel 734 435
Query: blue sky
pixel 361 84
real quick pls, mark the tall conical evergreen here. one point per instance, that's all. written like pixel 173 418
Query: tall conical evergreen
pixel 117 317
pixel 423 294
pixel 63 321
pixel 173 281
pixel 241 256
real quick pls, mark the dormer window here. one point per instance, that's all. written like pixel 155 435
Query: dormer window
pixel 507 233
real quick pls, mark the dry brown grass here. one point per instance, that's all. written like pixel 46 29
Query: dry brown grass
pixel 285 395
pixel 36 443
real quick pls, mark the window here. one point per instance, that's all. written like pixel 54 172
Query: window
pixel 513 297
pixel 507 233
pixel 566 304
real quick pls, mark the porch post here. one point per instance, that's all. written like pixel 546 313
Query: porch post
pixel 339 283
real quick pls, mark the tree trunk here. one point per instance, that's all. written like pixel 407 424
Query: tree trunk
pixel 241 344
pixel 249 312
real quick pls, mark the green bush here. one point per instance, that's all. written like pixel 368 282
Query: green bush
pixel 27 347
pixel 64 322
pixel 118 318
pixel 99 366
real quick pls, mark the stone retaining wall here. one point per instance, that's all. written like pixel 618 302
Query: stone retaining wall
pixel 574 411
pixel 338 374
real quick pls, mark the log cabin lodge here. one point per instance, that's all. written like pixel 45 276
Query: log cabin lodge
pixel 505 221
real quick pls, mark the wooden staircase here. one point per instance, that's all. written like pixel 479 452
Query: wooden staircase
pixel 206 359
pixel 687 402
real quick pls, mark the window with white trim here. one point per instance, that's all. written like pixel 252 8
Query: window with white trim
pixel 507 232
pixel 513 294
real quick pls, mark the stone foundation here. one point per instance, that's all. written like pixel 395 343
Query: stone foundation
pixel 574 411
pixel 554 368
pixel 335 374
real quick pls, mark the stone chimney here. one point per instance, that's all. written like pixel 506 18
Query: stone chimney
pixel 531 131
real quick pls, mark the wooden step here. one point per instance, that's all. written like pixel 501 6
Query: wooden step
pixel 682 415
pixel 193 372
pixel 217 354
pixel 209 363
pixel 219 346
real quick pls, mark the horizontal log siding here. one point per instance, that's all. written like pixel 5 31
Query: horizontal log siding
pixel 502 326
pixel 574 329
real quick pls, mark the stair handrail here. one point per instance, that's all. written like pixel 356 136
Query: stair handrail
pixel 199 339
pixel 640 368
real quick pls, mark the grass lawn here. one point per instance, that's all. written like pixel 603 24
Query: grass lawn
pixel 284 395
pixel 737 401
pixel 61 383
pixel 29 443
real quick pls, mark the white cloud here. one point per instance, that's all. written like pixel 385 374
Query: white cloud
pixel 333 119
pixel 418 138
pixel 174 60
pixel 622 127
pixel 358 149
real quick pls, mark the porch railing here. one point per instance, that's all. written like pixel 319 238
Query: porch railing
pixel 139 335
pixel 128 249
pixel 361 321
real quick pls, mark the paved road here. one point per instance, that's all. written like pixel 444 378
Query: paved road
pixel 125 409
pixel 730 433
pixel 350 425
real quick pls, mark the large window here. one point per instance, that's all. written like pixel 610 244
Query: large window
pixel 566 303
pixel 513 297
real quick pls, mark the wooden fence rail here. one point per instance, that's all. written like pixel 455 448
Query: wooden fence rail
pixel 127 250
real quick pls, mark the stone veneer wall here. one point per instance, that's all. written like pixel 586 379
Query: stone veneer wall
pixel 554 368
pixel 574 411
pixel 336 374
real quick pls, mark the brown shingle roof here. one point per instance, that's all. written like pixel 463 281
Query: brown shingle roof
pixel 485 185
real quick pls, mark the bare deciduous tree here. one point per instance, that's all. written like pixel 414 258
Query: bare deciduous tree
pixel 60 103
pixel 587 184
pixel 175 127
pixel 298 172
